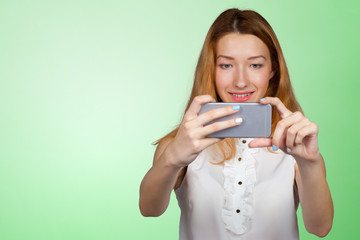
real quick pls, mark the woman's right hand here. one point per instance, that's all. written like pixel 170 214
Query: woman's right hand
pixel 191 138
pixel 172 155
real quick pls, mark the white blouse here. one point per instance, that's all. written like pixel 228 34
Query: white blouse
pixel 251 196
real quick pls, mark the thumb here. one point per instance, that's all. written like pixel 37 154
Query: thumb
pixel 260 142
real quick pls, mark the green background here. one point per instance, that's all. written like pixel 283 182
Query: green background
pixel 87 86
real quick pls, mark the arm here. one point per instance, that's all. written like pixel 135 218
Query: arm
pixel 173 155
pixel 298 136
pixel 315 198
pixel 157 185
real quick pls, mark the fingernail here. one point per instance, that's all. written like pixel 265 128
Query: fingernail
pixel 238 120
pixel 274 148
pixel 236 107
pixel 263 99
pixel 288 150
pixel 214 100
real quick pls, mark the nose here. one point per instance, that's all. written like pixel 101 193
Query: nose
pixel 241 79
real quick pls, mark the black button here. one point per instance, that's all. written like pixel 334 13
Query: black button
pixel 239 159
pixel 244 141
pixel 240 182
pixel 238 210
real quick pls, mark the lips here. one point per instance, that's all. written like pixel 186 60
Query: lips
pixel 241 96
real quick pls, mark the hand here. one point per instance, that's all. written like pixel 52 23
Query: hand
pixel 294 133
pixel 191 138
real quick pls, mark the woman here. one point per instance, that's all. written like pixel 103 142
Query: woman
pixel 241 188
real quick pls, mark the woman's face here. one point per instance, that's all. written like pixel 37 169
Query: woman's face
pixel 243 68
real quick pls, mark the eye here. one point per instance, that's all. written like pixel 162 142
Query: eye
pixel 225 66
pixel 256 66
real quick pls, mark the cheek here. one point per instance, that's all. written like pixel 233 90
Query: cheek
pixel 262 81
pixel 223 78
pixel 219 82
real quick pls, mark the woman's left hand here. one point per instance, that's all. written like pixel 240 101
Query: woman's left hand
pixel 298 136
pixel 294 134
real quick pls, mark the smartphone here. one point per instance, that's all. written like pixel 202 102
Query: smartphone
pixel 256 120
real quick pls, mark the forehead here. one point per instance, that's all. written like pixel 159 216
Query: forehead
pixel 241 45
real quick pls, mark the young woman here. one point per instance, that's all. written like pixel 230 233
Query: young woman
pixel 241 188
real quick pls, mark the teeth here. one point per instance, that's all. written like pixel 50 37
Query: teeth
pixel 241 95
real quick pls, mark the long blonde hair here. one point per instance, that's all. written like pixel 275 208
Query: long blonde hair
pixel 244 22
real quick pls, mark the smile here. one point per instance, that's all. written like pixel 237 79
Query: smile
pixel 241 95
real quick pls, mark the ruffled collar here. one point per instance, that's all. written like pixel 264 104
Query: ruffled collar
pixel 239 182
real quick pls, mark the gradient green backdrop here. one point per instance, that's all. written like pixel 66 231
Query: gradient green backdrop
pixel 87 86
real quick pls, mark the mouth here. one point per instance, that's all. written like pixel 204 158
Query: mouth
pixel 241 97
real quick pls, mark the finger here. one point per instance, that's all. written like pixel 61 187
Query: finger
pixel 206 142
pixel 216 113
pixel 279 106
pixel 218 126
pixel 293 130
pixel 260 142
pixel 311 129
pixel 195 106
pixel 281 128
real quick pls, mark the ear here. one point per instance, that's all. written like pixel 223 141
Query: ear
pixel 272 74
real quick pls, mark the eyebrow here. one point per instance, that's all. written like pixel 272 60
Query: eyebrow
pixel 259 56
pixel 231 58
pixel 223 56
